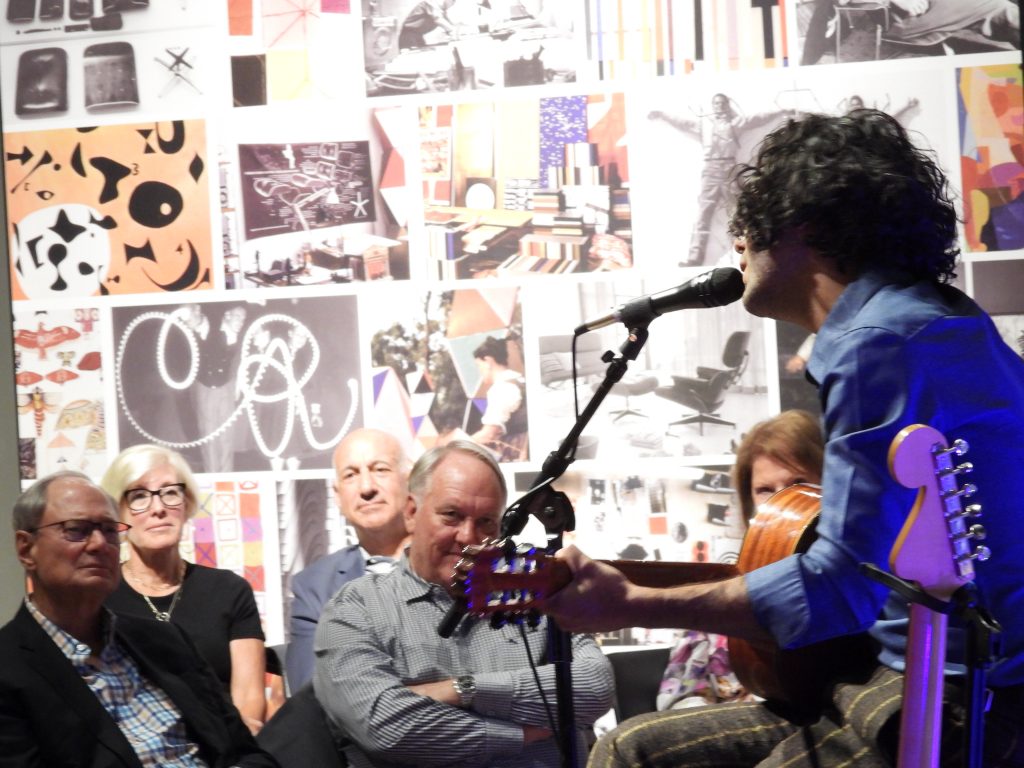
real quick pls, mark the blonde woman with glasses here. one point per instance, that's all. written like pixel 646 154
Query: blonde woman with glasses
pixel 156 495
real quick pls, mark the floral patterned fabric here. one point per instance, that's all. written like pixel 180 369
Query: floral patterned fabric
pixel 699 672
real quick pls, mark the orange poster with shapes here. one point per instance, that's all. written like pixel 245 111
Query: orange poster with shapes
pixel 114 209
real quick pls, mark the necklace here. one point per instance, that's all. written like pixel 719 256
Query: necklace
pixel 163 615
pixel 160 615
pixel 129 569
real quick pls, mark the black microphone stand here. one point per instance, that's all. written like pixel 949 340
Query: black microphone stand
pixel 553 509
pixel 983 638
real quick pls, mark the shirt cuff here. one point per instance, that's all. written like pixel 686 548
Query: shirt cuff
pixel 494 695
pixel 779 600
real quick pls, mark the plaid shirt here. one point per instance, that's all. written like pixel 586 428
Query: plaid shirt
pixel 145 714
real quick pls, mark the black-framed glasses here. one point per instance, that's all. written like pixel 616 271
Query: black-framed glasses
pixel 139 499
pixel 77 531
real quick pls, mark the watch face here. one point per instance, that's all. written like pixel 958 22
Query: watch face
pixel 465 686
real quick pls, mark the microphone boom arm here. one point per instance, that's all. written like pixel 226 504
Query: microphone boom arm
pixel 556 463
pixel 553 509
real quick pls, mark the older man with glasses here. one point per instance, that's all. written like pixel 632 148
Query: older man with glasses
pixel 80 687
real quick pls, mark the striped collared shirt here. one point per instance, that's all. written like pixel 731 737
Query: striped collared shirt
pixel 379 634
pixel 147 717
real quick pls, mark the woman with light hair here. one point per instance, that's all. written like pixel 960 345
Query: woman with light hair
pixel 156 493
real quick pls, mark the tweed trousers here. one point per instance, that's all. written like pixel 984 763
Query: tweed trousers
pixel 859 728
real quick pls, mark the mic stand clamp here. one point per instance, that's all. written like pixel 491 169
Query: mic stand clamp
pixel 983 642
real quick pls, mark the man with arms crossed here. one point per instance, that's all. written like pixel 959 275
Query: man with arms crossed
pixel 407 697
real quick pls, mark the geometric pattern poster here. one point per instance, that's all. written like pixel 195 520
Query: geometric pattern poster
pixel 235 528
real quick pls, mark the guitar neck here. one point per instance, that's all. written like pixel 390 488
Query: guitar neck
pixel 643 573
pixel 657 573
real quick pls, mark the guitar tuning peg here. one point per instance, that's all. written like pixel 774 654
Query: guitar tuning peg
pixel 958 448
pixel 981 554
pixel 972 510
pixel 968 489
pixel 974 532
pixel 965 468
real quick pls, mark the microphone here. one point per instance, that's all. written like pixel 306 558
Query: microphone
pixel 452 618
pixel 712 289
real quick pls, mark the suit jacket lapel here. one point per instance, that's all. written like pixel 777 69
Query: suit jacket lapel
pixel 350 566
pixel 45 659
pixel 178 675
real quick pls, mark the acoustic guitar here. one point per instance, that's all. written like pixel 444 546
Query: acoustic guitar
pixel 504 581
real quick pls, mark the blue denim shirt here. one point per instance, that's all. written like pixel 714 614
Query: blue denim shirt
pixel 889 356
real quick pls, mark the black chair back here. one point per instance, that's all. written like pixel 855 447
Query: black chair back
pixel 299 734
pixel 638 674
pixel 735 353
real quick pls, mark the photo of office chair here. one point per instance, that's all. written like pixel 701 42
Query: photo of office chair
pixel 705 393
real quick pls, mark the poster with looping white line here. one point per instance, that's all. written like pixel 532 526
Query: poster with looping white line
pixel 239 386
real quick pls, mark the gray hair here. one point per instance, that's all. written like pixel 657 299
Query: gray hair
pixel 423 470
pixel 132 463
pixel 30 505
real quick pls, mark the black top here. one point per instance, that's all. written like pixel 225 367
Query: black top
pixel 216 606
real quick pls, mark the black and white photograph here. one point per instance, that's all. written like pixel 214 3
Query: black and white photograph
pixel 43 21
pixel 699 381
pixel 795 345
pixel 239 386
pixel 309 525
pixel 303 186
pixel 84 80
pixel 999 289
pixel 327 257
pixel 433 46
pixel 685 143
pixel 836 32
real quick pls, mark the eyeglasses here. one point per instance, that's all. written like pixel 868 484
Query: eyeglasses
pixel 77 531
pixel 139 499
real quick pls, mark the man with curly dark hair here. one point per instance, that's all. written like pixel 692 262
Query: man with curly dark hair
pixel 859 189
pixel 847 229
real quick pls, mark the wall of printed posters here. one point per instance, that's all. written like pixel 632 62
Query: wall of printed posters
pixel 362 201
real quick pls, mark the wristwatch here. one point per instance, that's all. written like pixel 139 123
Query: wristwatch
pixel 465 686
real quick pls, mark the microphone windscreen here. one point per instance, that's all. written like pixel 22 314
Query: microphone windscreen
pixel 725 286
